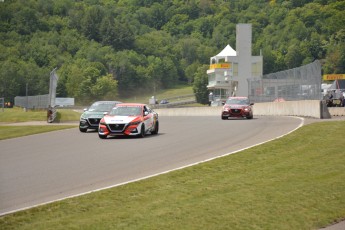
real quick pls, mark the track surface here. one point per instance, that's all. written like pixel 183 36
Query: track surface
pixel 45 167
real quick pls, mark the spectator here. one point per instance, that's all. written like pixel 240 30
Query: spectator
pixel 342 101
pixel 331 96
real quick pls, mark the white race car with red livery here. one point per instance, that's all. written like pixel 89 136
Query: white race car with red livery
pixel 129 119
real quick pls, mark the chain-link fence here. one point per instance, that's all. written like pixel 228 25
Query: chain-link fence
pixel 42 101
pixel 2 104
pixel 32 102
pixel 303 83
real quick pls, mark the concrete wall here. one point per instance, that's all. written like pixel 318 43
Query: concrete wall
pixel 337 111
pixel 305 108
pixel 190 111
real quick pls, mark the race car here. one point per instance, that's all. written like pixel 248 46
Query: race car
pixel 237 107
pixel 91 116
pixel 129 119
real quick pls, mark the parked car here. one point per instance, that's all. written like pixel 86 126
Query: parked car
pixel 91 116
pixel 129 119
pixel 237 107
pixel 164 101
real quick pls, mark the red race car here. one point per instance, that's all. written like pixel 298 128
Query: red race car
pixel 129 119
pixel 237 107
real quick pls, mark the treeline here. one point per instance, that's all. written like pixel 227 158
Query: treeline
pixel 105 49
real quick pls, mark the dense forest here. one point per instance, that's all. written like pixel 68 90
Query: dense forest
pixel 105 49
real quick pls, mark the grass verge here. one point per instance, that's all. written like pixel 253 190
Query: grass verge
pixel 17 115
pixel 160 95
pixel 7 132
pixel 295 182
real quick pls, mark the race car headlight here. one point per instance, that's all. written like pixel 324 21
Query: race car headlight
pixel 134 123
pixel 102 122
pixel 247 109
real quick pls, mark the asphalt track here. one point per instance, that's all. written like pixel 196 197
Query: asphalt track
pixel 43 168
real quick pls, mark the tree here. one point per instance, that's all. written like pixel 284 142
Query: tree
pixel 105 88
pixel 91 22
pixel 176 25
pixel 125 65
pixel 294 56
pixel 191 70
pixel 9 80
pixel 335 58
pixel 156 43
pixel 169 77
pixel 187 49
pixel 160 41
pixel 200 85
pixel 26 21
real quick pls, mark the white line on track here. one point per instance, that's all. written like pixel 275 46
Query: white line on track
pixel 153 175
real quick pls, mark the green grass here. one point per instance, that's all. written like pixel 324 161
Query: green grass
pixel 17 115
pixel 7 132
pixel 65 115
pixel 160 95
pixel 295 182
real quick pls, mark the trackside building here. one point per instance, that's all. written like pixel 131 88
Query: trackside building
pixel 230 70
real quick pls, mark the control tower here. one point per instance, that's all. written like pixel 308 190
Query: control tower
pixel 230 69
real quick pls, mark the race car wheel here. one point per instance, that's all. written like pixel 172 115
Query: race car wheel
pixel 250 117
pixel 224 118
pixel 142 131
pixel 102 136
pixel 83 130
pixel 156 128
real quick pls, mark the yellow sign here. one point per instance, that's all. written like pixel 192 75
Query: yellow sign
pixel 220 66
pixel 330 77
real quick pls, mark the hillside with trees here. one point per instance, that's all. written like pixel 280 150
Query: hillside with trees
pixel 105 49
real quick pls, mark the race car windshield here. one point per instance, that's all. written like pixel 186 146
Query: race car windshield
pixel 237 102
pixel 126 111
pixel 100 107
